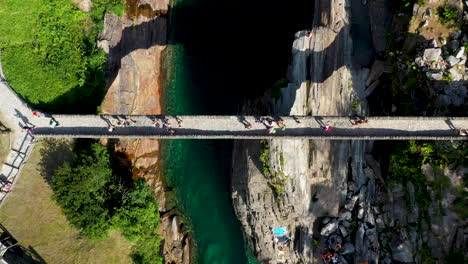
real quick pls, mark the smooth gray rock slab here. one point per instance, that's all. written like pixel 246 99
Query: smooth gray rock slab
pixel 432 54
pixel 452 61
pixel 329 228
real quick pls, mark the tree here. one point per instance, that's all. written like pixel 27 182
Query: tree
pixel 83 188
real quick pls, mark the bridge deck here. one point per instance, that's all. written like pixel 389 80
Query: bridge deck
pixel 232 127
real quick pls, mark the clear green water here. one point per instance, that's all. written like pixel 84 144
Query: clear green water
pixel 199 170
pixel 220 53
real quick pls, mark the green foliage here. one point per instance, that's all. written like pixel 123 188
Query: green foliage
pixel 265 156
pixel 426 255
pixel 315 243
pixel 82 188
pixel 138 217
pixel 406 162
pixel 144 252
pixel 95 199
pixel 49 53
pixel 276 179
pixel 355 104
pixel 448 14
pixel 278 182
pixel 276 88
pixel 457 257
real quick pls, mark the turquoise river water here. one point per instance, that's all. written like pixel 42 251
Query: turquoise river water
pixel 220 53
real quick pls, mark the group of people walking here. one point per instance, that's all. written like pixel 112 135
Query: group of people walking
pixel 270 122
pixel 29 127
pixel 162 122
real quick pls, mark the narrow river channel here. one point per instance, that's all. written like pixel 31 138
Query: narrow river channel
pixel 220 54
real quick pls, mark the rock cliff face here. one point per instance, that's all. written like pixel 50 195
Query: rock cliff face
pixel 135 43
pixel 335 189
pixel 322 82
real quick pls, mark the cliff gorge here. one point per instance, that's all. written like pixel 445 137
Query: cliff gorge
pixel 341 192
pixel 135 43
pixel 314 173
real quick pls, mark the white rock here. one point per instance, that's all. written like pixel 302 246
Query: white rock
pixel 452 61
pixel 403 252
pixel 435 75
pixel 103 45
pixel 427 170
pixel 432 54
pixel 345 215
pixel 351 202
pixel 415 9
pixel 343 230
pixel 460 52
pixel 360 214
pixel 329 228
pixel 347 248
pixel 455 75
pixel 443 41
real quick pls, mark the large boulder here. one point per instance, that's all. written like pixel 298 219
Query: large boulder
pixel 402 252
pixel 329 228
pixel 432 54
pixel 347 248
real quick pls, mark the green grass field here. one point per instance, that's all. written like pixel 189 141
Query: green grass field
pixel 36 221
pixel 49 53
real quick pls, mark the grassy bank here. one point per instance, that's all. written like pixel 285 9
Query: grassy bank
pixel 49 52
pixel 4 146
pixel 36 221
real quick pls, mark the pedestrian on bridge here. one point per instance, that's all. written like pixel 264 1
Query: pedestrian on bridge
pixel 28 128
pixel 155 123
pixel 281 124
pixel 53 123
pixel 327 128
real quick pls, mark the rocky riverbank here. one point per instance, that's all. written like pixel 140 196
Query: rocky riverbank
pixel 338 196
pixel 135 43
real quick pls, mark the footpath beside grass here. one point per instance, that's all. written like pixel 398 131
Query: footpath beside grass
pixel 36 221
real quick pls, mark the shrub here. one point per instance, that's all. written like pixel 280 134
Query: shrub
pixel 144 252
pixel 82 189
pixel 138 217
pixel 94 200
pixel 447 14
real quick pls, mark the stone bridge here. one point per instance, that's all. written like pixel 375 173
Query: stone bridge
pixel 236 127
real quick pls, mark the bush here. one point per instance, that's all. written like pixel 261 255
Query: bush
pixel 82 190
pixel 138 217
pixel 144 252
pixel 448 14
pixel 95 199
